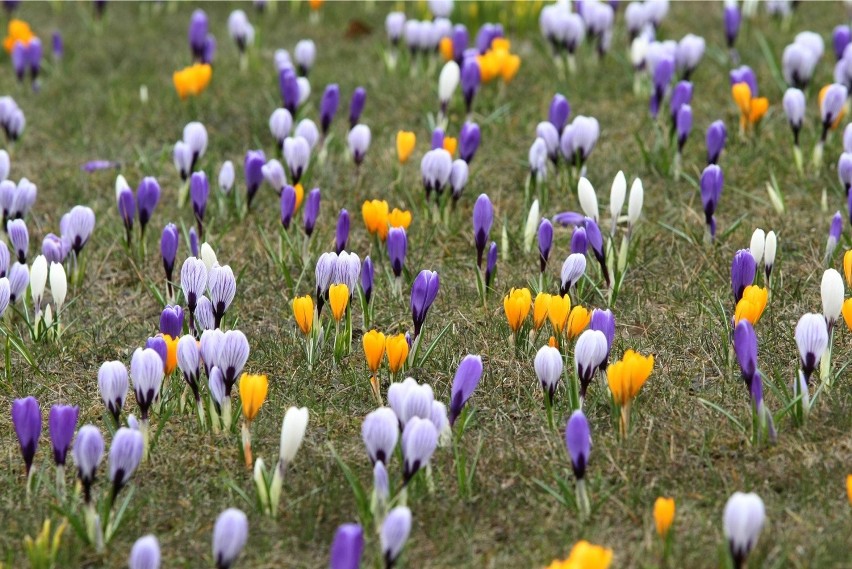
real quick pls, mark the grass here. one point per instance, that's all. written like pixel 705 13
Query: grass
pixel 669 305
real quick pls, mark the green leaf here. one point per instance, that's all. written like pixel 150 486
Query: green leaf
pixel 724 412
pixel 362 501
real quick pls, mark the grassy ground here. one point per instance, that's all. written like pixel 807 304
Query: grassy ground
pixel 89 108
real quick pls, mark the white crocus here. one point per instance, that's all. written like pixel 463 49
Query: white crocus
pixel 38 281
pixel 208 255
pixel 58 285
pixel 758 244
pixel 588 198
pixel 743 521
pixel 769 248
pixel 292 433
pixel 617 195
pixel 448 81
pixel 831 290
pixel 635 201
pixel 531 227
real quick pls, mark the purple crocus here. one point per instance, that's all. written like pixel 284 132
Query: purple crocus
pixel 491 264
pixel 26 418
pixel 483 218
pixel 88 451
pixel 745 345
pixel 467 377
pixel 356 105
pixel 328 106
pixel 743 269
pixel 380 433
pixel 419 441
pixel 288 84
pixel 437 140
pixel 844 171
pixel 662 76
pixel 197 33
pixel 147 198
pixel 199 191
pixel 342 231
pixel 460 39
pixel 684 125
pixel 578 440
pixel 311 211
pixel 469 139
pixel 57 45
pixel 19 60
pixel 681 95
pixel 288 205
pixel 604 321
pixel 794 108
pixel 232 357
pixel 545 241
pixel 840 38
pixel 486 36
pixel 732 23
pixel 745 74
pixel 171 320
pixel 19 237
pixel 61 423
pixel 595 240
pixel 367 274
pixel 77 226
pixel 125 454
pixel 168 250
pixel 126 208
pixel 470 79
pixel 223 287
pixel 436 166
pixel 579 241
pixel 834 232
pixel 560 110
pixel 33 56
pixel 397 244
pixel 253 169
pixel 193 243
pixel 347 547
pixel 230 534
pixel 832 106
pixel 715 140
pixel 423 293
pixel 712 180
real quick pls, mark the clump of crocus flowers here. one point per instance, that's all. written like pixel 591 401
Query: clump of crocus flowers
pixel 626 377
pixel 745 94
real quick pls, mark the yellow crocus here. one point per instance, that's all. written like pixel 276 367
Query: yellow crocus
pixel 171 353
pixel 664 513
pixel 751 306
pixel 741 94
pixel 540 309
pixel 338 299
pixel 578 320
pixel 300 196
pixel 501 44
pixel 397 350
pixel 450 145
pixel 253 390
pixel 374 349
pixel 17 31
pixel 375 214
pixel 585 555
pixel 846 310
pixel 445 47
pixel 842 112
pixel 303 312
pixel 399 218
pixel 751 109
pixel 316 4
pixel 405 142
pixel 847 267
pixel 510 67
pixel 626 377
pixel 557 312
pixel 192 80
pixel 849 488
pixel 517 305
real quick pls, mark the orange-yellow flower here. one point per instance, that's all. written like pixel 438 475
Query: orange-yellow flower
pixel 303 312
pixel 501 44
pixel 300 195
pixel 316 4
pixel 578 320
pixel 374 349
pixel 397 350
pixel 664 513
pixel 192 80
pixel 446 48
pixel 626 377
pixel 450 145
pixel 842 112
pixel 488 69
pixel 540 309
pixel 253 390
pixel 510 67
pixel 517 305
pixel 750 307
pixel 557 312
pixel 751 109
pixel 847 267
pixel 405 142
pixel 399 218
pixel 338 299
pixel 846 310
pixel 849 488
pixel 375 214
pixel 171 353
pixel 585 555
pixel 17 31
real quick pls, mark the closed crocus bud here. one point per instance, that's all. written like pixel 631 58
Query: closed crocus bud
pixel 743 269
pixel 88 451
pixel 572 270
pixel 435 168
pixel 662 76
pixel 690 50
pixel 223 287
pixel 26 419
pixel 204 318
pixel 550 137
pixel 745 345
pixel 409 399
pixel 448 81
pixel 4 259
pixel 380 432
pixel 681 95
pixel 147 198
pixel 397 246
pixel 125 454
pixel 328 106
pixel 297 155
pixel 145 554
pixel 797 65
pixel 578 441
pixel 467 377
pixel 470 79
pixel 545 241
pixel 288 205
pixel 559 112
pixel 483 218
pixel 394 534
pixel 367 274
pixel 19 279
pixel 198 28
pixel 240 30
pixel 538 158
pixel 292 433
pixel 210 344
pixel 743 521
pixel 831 291
pixel 193 280
pixel 288 85
pixel 834 232
pixel 77 226
pixel 491 264
pixel 715 139
pixel 189 362
pixel 831 105
pixel 356 105
pixel 588 198
pixel 230 534
pixel 341 231
pixel 307 129
pixel 424 290
pixel 712 181
pixel 195 136
pixel 732 19
pixel 812 341
pixel 531 226
pixel 758 241
pixel 844 171
pixel 617 195
pixel 840 38
pixel 5 294
pixel 168 249
pixel 232 357
pixel 305 54
pixel 253 169
pixel 58 285
pixel 419 441
pixel 604 322
pixel 359 142
pixel 146 371
pixel 113 385
pixel 347 547
pixel 38 280
pixel 769 253
pixel 199 191
pixel 182 157
pixel 280 123
pixel 216 385
pixel 19 237
pixel 548 368
pixel 579 242
pixel 126 204
pixel 684 125
pixel 273 173
pixel 469 138
pixel 589 352
pixel 311 211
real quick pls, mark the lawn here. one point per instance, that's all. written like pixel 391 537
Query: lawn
pixel 675 300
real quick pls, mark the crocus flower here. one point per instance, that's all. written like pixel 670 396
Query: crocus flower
pixel 77 226
pixel 328 106
pixel 491 264
pixel 715 139
pixel 405 142
pixel 572 270
pixel 684 125
pixel 240 30
pixel 585 554
pixel 419 441
pixel 168 251
pixel 681 95
pixel 517 305
pixel 145 553
pixel 338 300
pixel 545 241
pixel 663 72
pixel 470 79
pixel 559 112
pixel 664 513
pixel 253 390
pixel 743 519
pixel 356 105
pixel 182 157
pixel 794 108
pixel 732 19
pixel 435 168
pixel 483 217
pixel 831 291
pixel 557 312
pixel 579 139
pixel 394 534
pixel 253 168
pixel 305 54
pixel 712 181
pixel 812 340
pixel 690 50
pixel 752 304
pixel 125 454
pixel 548 369
pixel 280 123
pixel 367 278
pixel 626 377
pixel 26 418
pixel 5 294
pixel 230 534
pixel 38 281
pixel 147 198
pixel 743 270
pixel 126 205
pixel 541 307
pixel 469 141
pixel 61 423
pixel 397 245
pixel 831 101
pixel 380 432
pixel 195 137
pixel 578 441
pixel 311 211
pixel 19 278
pixel 397 350
pixel 198 27
pixel 589 352
pixel 347 547
pixel 232 356
pixel 797 65
pixel 752 108
pixel 359 142
pixel 297 155
pixel 745 345
pixel 423 293
pixel 88 452
pixel 146 371
pixel 19 237
pixel 223 287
